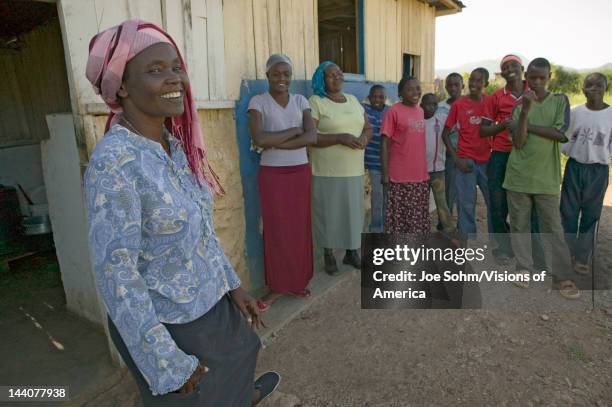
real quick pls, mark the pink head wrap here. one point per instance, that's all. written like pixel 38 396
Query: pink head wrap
pixel 109 53
pixel 510 58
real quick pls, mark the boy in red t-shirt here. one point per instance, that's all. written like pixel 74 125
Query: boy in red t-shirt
pixel 472 153
pixel 403 163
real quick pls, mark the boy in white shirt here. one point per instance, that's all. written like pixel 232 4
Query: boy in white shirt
pixel 586 174
pixel 436 158
pixel 453 84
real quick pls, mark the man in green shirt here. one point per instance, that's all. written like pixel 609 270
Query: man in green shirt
pixel 533 175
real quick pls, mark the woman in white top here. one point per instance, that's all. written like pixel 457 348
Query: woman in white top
pixel 281 124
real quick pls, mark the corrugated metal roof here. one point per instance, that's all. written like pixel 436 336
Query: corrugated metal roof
pixel 444 4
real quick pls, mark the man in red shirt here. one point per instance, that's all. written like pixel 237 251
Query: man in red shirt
pixel 496 125
pixel 472 153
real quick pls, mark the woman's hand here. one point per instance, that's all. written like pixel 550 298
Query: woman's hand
pixel 248 307
pixel 311 137
pixel 192 383
pixel 363 140
pixel 349 140
pixel 298 131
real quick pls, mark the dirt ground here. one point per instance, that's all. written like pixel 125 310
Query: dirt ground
pixel 335 354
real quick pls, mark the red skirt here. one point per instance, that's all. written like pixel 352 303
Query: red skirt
pixel 284 196
pixel 408 208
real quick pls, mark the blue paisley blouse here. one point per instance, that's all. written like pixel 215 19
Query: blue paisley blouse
pixel 154 251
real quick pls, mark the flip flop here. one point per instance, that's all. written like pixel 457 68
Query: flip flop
pixel 305 293
pixel 264 305
pixel 266 384
pixel 582 269
pixel 522 283
pixel 567 289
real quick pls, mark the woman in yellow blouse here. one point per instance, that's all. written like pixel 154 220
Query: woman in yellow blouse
pixel 337 166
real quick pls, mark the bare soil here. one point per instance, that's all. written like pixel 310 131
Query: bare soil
pixel 336 354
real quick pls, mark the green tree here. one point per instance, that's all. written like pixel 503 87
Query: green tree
pixel 608 73
pixel 565 81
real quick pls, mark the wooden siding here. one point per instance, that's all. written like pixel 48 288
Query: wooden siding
pixel 395 27
pixel 255 29
pixel 196 26
pixel 383 51
pixel 35 84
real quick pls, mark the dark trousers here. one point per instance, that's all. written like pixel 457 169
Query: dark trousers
pixel 450 172
pixel 582 194
pixel 224 342
pixel 496 172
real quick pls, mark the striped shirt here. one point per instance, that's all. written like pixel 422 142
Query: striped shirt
pixel 372 151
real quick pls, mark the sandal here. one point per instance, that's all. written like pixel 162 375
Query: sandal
pixel 524 282
pixel 331 267
pixel 266 384
pixel 582 269
pixel 264 305
pixel 305 293
pixel 568 289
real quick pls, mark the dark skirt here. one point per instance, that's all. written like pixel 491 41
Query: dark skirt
pixel 408 208
pixel 284 196
pixel 224 342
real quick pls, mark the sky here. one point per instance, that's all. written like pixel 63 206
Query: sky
pixel 573 33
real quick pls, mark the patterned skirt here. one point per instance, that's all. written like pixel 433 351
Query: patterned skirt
pixel 408 208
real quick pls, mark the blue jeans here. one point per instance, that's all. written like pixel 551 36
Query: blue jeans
pixel 496 172
pixel 466 183
pixel 378 200
pixel 449 181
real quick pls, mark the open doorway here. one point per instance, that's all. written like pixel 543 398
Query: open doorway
pixel 41 276
pixel 411 66
pixel 33 69
pixel 340 34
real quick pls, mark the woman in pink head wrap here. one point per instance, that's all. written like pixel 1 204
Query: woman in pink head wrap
pixel 177 313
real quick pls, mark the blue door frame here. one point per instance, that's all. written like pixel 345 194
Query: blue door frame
pixel 361 35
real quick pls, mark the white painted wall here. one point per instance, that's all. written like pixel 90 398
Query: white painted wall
pixel 62 175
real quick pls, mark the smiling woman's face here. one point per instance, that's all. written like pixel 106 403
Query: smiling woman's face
pixel 154 82
pixel 279 77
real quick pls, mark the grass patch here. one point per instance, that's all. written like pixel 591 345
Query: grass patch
pixel 577 352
